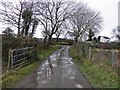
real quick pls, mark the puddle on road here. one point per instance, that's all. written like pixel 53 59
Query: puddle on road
pixel 46 70
pixel 53 57
pixel 78 86
pixel 66 61
pixel 69 71
pixel 44 82
pixel 57 71
pixel 60 59
pixel 39 72
pixel 72 78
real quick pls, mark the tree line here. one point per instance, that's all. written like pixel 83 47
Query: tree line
pixel 55 17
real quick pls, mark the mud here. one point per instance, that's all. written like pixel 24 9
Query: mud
pixel 58 71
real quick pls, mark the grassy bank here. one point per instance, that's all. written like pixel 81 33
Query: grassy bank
pixel 11 78
pixel 99 74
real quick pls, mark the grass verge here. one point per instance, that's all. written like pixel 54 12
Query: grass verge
pixel 10 79
pixel 96 72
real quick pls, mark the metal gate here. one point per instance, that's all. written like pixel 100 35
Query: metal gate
pixel 21 57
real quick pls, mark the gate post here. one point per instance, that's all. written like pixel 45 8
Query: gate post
pixel 12 59
pixel 113 58
pixel 9 58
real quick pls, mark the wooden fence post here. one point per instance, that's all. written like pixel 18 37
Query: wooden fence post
pixel 89 53
pixel 9 58
pixel 113 58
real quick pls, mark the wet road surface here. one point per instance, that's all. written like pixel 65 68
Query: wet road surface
pixel 58 71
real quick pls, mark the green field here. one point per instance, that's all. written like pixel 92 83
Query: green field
pixel 99 74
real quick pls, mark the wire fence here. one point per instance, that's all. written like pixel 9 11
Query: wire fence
pixel 22 57
pixel 102 52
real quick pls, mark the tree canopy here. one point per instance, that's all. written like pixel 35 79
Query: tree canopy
pixel 75 17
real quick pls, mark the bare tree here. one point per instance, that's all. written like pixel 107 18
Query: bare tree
pixel 116 32
pixel 34 26
pixel 52 14
pixel 83 20
pixel 58 33
pixel 90 35
pixel 45 35
pixel 16 14
pixel 11 13
pixel 27 19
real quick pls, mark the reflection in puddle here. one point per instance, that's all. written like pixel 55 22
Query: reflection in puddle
pixel 65 75
pixel 53 58
pixel 46 63
pixel 78 86
pixel 38 78
pixel 54 65
pixel 72 77
pixel 69 71
pixel 46 70
pixel 39 72
pixel 42 68
pixel 48 73
pixel 44 82
pixel 49 70
pixel 50 66
pixel 66 62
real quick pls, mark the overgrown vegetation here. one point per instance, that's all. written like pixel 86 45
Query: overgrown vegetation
pixel 9 42
pixel 11 78
pixel 99 74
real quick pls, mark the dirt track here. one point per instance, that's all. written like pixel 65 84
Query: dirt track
pixel 58 71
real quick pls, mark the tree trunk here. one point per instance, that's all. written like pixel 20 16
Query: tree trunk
pixel 22 32
pixel 33 30
pixel 90 38
pixel 76 39
pixel 44 41
pixel 49 41
pixel 18 32
pixel 57 39
pixel 26 30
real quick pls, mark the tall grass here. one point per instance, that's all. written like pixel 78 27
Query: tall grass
pixel 99 74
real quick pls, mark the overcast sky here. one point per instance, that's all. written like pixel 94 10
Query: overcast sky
pixel 109 12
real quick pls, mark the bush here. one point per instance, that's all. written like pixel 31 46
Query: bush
pixel 10 42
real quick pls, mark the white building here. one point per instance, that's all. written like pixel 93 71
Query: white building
pixel 105 39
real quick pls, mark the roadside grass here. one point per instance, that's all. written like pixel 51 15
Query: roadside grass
pixel 10 79
pixel 107 50
pixel 99 74
pixel 43 53
pixel 106 57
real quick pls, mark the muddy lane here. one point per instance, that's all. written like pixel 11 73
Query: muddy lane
pixel 58 71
